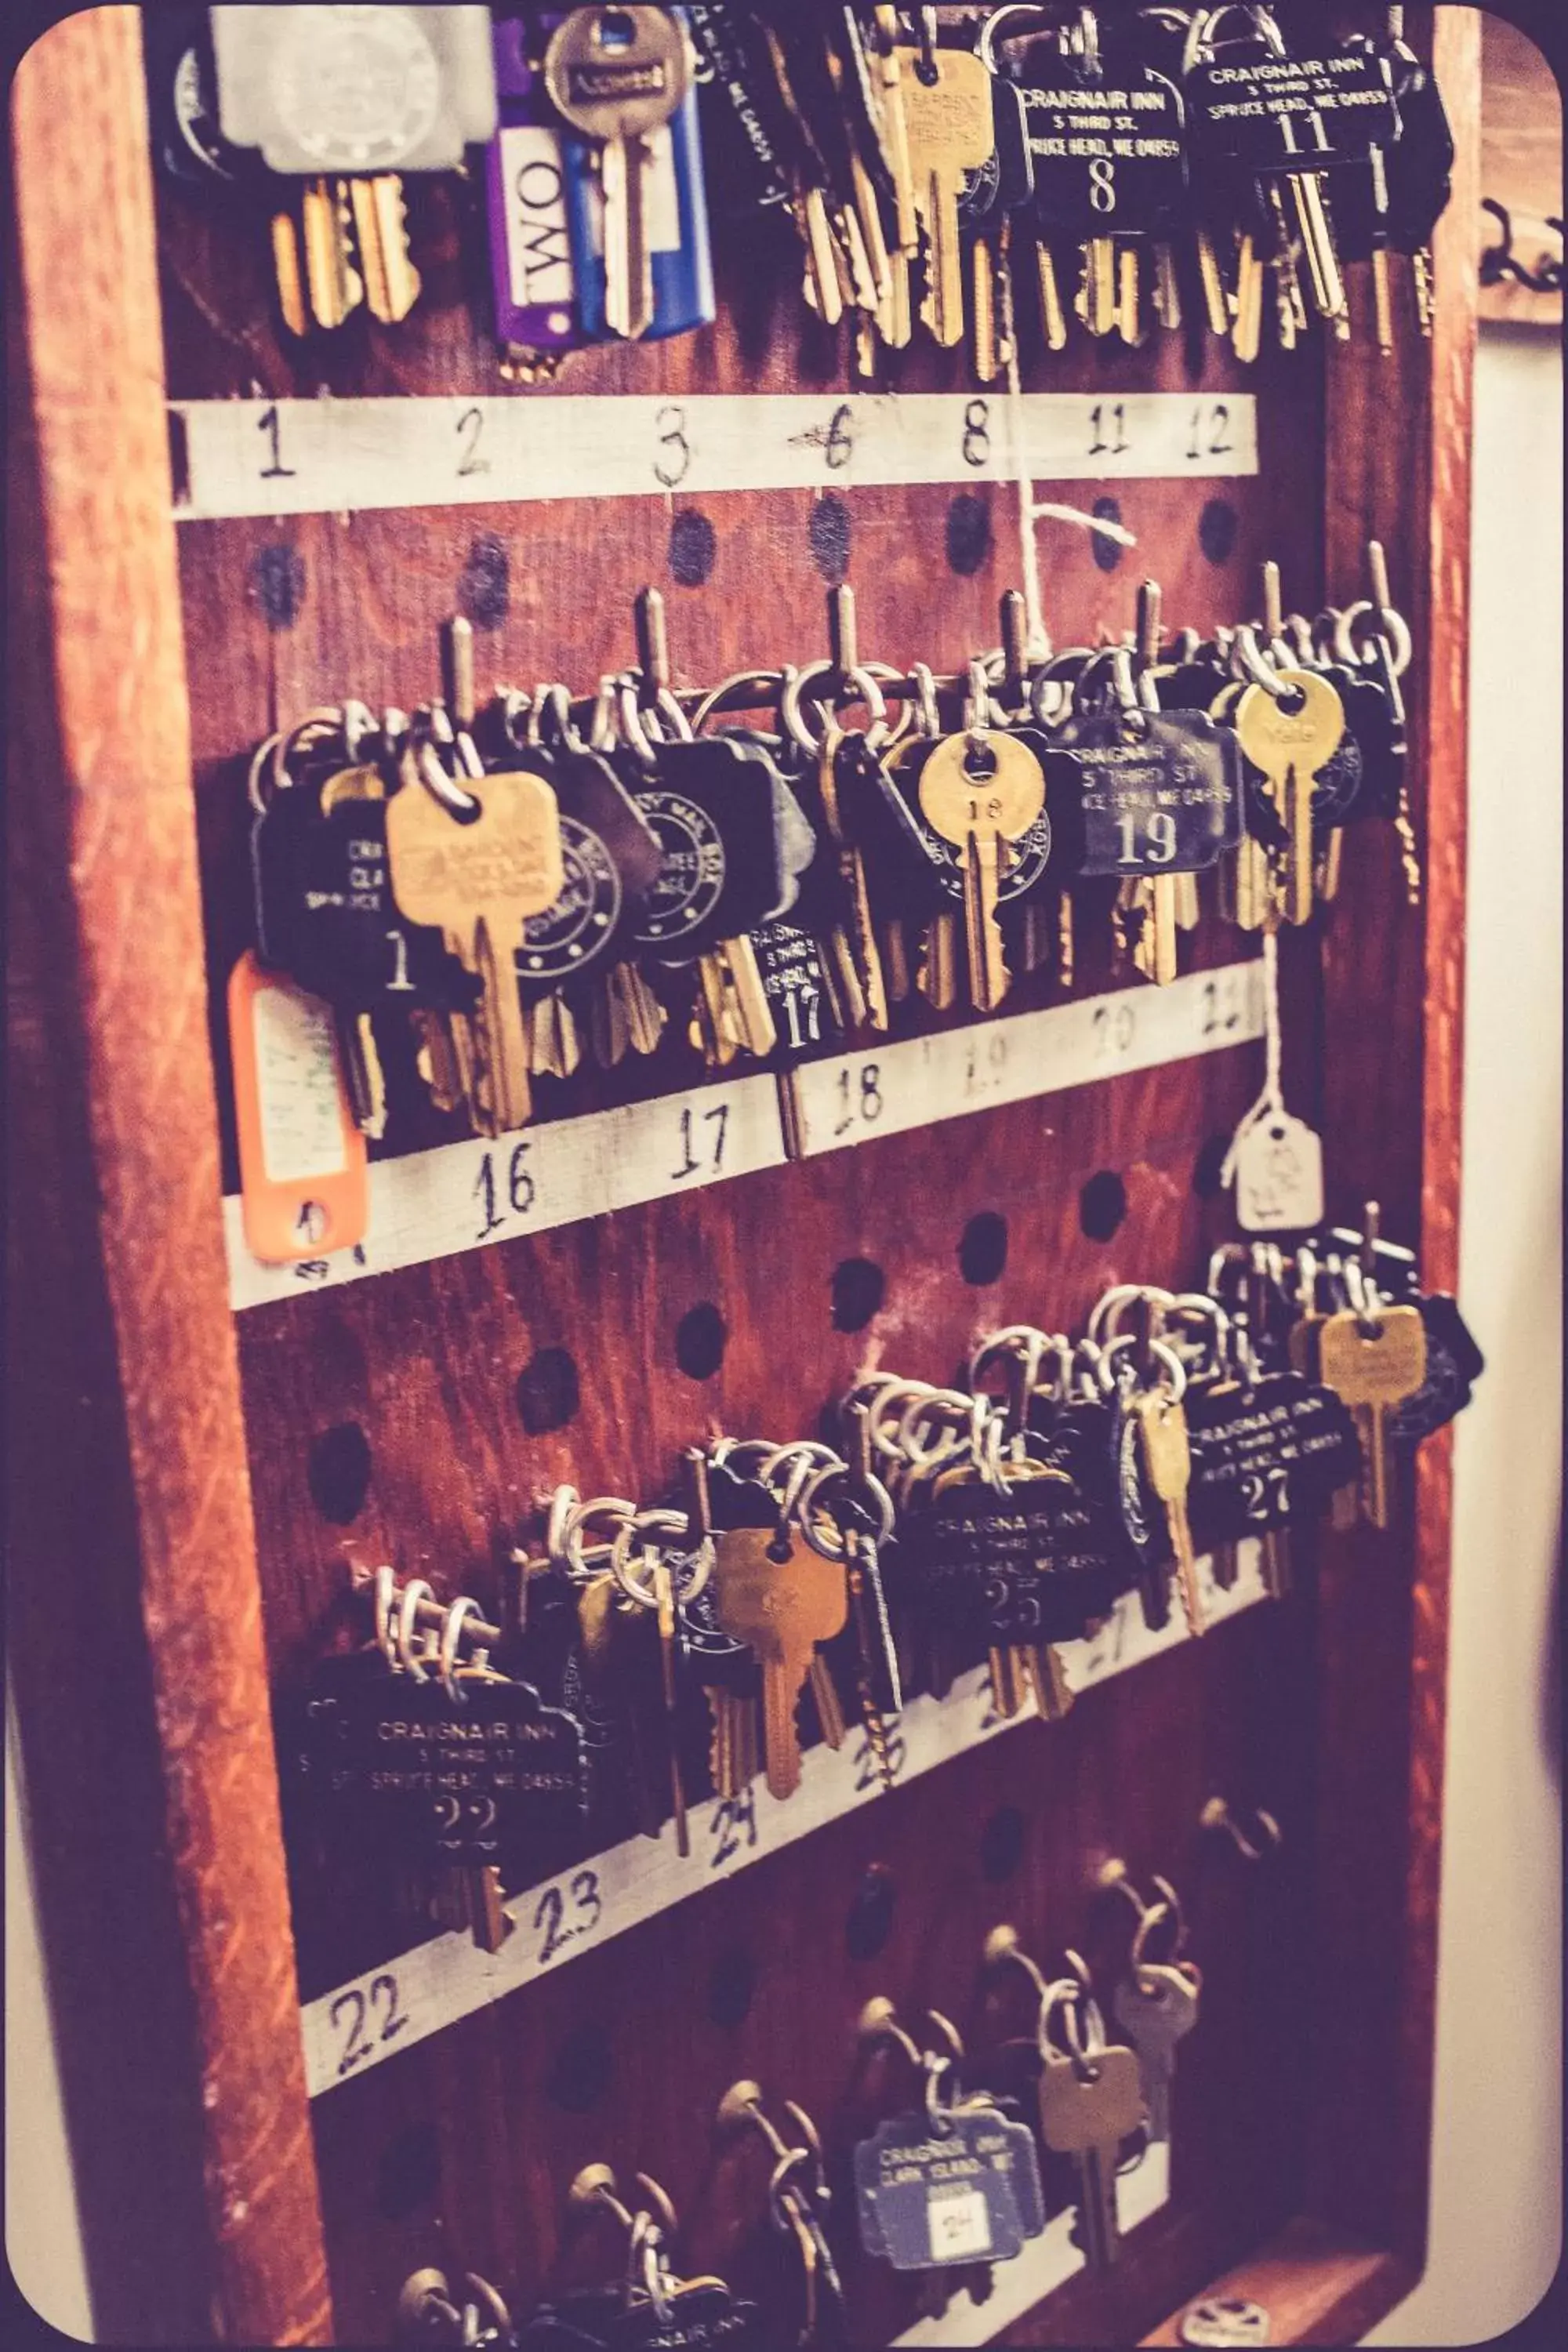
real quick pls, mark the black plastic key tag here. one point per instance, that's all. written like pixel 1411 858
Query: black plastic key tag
pixel 612 860
pixel 1160 792
pixel 325 911
pixel 712 805
pixel 1266 1454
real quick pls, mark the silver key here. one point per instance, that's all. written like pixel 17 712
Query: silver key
pixel 617 75
pixel 1155 2007
pixel 1089 2104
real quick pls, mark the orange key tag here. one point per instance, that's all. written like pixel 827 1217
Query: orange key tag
pixel 303 1169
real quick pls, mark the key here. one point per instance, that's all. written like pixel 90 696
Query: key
pixel 618 74
pixel 780 1598
pixel 1290 738
pixel 1374 1365
pixel 381 232
pixel 1246 329
pixel 1087 2107
pixel 829 1706
pixel 1156 2007
pixel 978 791
pixel 334 285
pixel 1168 1465
pixel 951 130
pixel 478 882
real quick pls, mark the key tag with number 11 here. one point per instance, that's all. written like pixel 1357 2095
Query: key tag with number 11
pixel 1275 1161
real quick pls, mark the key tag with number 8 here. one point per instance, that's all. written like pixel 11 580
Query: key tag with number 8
pixel 1275 1161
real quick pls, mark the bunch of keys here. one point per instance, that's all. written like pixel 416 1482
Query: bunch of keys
pixel 345 102
pixel 644 2307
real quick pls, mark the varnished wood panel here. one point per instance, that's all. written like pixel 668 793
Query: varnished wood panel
pixel 130 1017
pixel 459 2151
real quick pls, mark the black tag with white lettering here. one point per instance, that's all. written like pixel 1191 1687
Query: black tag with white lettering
pixel 1272 113
pixel 1106 153
pixel 1161 797
pixel 790 963
pixel 1264 1456
pixel 1036 1563
pixel 493 1775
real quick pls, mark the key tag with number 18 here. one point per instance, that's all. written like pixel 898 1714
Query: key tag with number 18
pixel 1275 1161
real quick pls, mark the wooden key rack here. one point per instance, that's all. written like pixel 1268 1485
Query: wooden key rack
pixel 195 1485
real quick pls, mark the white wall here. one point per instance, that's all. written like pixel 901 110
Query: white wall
pixel 43 2234
pixel 1497 2134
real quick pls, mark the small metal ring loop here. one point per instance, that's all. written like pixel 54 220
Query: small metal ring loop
pixel 1255 663
pixel 447 1652
pixel 615 1506
pixel 743 690
pixel 657 1522
pixel 1165 1356
pixel 867 690
pixel 888 1394
pixel 923 702
pixel 265 755
pixel 384 1593
pixel 412 1593
pixel 991 30
pixel 441 787
pixel 862 1486
pixel 1389 625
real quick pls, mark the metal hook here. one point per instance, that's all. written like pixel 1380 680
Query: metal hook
pixel 412 1595
pixel 1217 1815
pixel 451 1632
pixel 1003 1950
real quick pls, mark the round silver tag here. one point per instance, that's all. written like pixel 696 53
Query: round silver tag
pixel 356 88
pixel 1221 2322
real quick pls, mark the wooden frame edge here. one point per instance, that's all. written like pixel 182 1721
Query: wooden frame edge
pixel 94 350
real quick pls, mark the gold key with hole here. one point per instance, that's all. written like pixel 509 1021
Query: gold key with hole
pixel 980 791
pixel 1168 1465
pixel 617 75
pixel 477 882
pixel 772 1592
pixel 1290 736
pixel 1373 1363
pixel 951 127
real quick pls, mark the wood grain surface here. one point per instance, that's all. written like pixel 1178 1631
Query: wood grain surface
pixel 459 2151
pixel 126 1019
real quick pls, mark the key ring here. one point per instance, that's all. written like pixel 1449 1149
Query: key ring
pixel 615 1506
pixel 743 690
pixel 1105 1322
pixel 1165 1357
pixel 412 1593
pixel 888 1393
pixel 658 1522
pixel 447 1652
pixel 384 1593
pixel 835 1547
pixel 867 690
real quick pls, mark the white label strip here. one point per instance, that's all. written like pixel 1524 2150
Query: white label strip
pixel 886 1090
pixel 344 457
pixel 389 2009
pixel 464 1196
pixel 1046 2263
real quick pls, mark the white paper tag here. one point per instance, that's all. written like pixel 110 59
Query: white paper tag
pixel 1278 1175
pixel 299 1087
pixel 960 2224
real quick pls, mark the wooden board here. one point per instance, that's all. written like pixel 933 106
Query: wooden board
pixel 460 2150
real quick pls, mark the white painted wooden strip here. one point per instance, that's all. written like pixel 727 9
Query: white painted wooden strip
pixel 1046 2263
pixel 390 2009
pixel 887 1089
pixel 464 1196
pixel 342 457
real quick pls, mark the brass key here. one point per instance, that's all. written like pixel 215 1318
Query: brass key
pixel 978 791
pixel 1374 1363
pixel 1168 1465
pixel 1291 737
pixel 477 881
pixel 780 1598
pixel 951 130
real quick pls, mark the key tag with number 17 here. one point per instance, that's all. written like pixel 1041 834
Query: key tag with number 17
pixel 1275 1161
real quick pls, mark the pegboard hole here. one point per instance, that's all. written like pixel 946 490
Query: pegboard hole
pixel 339 1473
pixel 1107 552
pixel 1002 1843
pixel 1216 530
pixel 548 1391
pixel 983 1251
pixel 699 1341
pixel 830 535
pixel 1102 1205
pixel 409 2173
pixel 870 1920
pixel 693 549
pixel 860 1286
pixel 731 1981
pixel 580 2074
pixel 968 534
